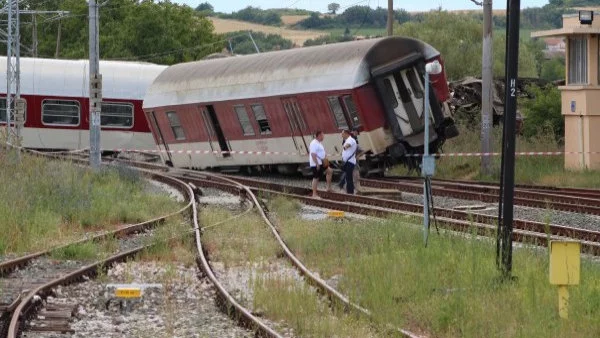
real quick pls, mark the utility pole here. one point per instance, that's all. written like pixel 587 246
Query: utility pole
pixel 390 18
pixel 507 184
pixel 13 88
pixel 486 89
pixel 34 38
pixel 58 40
pixel 95 86
pixel 254 43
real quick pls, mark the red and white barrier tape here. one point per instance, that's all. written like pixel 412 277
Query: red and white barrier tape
pixel 285 153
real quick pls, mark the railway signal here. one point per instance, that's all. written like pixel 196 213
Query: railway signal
pixel 428 166
pixel 507 176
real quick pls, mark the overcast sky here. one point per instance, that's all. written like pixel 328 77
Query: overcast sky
pixel 321 5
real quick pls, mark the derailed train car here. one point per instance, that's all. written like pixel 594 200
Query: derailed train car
pixel 208 114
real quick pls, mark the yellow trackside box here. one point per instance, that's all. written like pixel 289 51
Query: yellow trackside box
pixel 335 213
pixel 128 292
pixel 565 261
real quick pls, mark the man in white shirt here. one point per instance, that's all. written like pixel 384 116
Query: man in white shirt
pixel 349 160
pixel 316 157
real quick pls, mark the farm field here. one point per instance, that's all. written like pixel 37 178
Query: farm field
pixel 297 36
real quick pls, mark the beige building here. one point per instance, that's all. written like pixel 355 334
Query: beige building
pixel 581 92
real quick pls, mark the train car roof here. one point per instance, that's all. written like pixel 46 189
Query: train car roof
pixel 69 78
pixel 336 66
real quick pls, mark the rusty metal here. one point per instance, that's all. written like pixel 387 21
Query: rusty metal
pixel 26 307
pixel 530 231
pixel 489 194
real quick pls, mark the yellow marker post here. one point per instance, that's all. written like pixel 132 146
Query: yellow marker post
pixel 565 262
pixel 335 213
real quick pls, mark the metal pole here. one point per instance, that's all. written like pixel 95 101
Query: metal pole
pixel 425 158
pixel 18 119
pixel 390 18
pixel 512 54
pixel 95 87
pixel 34 37
pixel 57 52
pixel 254 43
pixel 486 89
pixel 9 71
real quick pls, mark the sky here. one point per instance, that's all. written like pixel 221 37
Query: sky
pixel 228 6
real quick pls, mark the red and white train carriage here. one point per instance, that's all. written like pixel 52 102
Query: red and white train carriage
pixel 205 114
pixel 57 115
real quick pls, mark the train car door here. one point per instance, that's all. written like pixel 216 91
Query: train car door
pixel 215 133
pixel 158 136
pixel 413 81
pixel 297 124
pixel 405 92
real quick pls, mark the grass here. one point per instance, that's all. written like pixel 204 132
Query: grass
pixel 44 203
pixel 450 288
pixel 172 242
pixel 278 296
pixel 541 170
pixel 286 299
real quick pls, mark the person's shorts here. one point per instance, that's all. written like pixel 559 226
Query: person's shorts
pixel 318 173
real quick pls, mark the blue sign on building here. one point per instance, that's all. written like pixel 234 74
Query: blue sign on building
pixel 572 106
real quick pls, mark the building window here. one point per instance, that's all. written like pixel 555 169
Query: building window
pixel 61 112
pixel 116 115
pixel 176 125
pixel 578 64
pixel 338 112
pixel 242 115
pixel 261 118
pixel 351 110
pixel 391 94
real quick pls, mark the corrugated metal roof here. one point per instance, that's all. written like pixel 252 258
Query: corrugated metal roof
pixel 328 67
pixel 55 77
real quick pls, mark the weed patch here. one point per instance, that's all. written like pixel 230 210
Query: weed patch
pixel 448 289
pixel 44 202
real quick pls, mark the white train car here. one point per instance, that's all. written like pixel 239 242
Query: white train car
pixel 57 116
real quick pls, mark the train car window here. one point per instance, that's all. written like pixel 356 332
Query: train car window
pixel 116 115
pixel 176 125
pixel 390 94
pixel 351 110
pixel 338 112
pixel 414 83
pixel 3 110
pixel 244 119
pixel 261 118
pixel 61 112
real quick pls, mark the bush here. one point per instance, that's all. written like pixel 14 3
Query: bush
pixel 543 113
pixel 242 44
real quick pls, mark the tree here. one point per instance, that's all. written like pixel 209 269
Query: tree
pixel 205 8
pixel 458 38
pixel 159 32
pixel 333 7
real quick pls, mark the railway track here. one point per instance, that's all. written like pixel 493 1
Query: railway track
pixel 23 304
pixel 525 231
pixel 529 197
